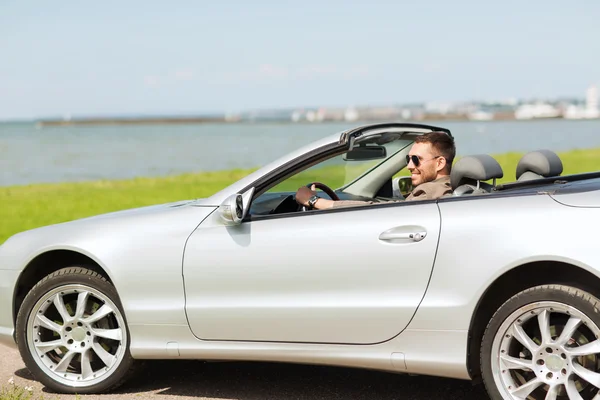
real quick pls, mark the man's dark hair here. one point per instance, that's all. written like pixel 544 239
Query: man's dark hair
pixel 442 144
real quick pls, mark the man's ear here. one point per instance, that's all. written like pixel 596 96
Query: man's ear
pixel 441 164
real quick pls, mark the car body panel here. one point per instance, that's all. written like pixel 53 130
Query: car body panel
pixel 310 278
pixel 7 288
pixel 140 250
pixel 430 352
pixel 475 251
pixel 588 199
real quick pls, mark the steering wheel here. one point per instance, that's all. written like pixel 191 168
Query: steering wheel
pixel 324 188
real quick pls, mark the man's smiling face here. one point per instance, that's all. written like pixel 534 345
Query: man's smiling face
pixel 429 164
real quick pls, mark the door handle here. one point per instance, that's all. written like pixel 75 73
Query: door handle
pixel 408 236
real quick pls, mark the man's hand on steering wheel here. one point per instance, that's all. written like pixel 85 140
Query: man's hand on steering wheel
pixel 308 192
pixel 304 194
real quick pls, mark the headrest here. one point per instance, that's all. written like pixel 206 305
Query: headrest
pixel 480 167
pixel 540 162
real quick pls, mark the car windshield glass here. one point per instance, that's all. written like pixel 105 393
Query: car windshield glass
pixel 343 169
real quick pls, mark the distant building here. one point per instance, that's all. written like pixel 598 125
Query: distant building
pixel 232 117
pixel 437 107
pixel 536 111
pixel 480 115
pixel 351 114
pixel 592 99
pixel 297 116
pixel 591 106
pixel 385 113
pixel 332 114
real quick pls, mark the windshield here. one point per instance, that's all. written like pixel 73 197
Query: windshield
pixel 338 172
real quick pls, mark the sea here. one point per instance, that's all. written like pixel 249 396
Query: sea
pixel 31 154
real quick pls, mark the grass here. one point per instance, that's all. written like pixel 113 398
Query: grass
pixel 574 162
pixel 27 207
pixel 15 392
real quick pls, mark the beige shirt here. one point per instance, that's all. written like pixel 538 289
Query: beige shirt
pixel 431 190
pixel 425 191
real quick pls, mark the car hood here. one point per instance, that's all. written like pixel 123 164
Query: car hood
pixel 97 233
pixel 145 210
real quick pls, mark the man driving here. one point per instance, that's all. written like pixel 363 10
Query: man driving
pixel 429 161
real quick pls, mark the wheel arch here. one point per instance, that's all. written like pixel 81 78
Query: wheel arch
pixel 514 281
pixel 46 263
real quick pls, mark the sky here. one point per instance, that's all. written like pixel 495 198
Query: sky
pixel 202 57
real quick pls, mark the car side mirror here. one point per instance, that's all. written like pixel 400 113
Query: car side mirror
pixel 232 209
pixel 402 186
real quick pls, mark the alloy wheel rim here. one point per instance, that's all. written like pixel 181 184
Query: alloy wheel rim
pixel 547 350
pixel 76 335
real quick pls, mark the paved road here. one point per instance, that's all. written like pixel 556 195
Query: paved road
pixel 182 380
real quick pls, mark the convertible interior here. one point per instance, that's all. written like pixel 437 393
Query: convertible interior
pixel 374 169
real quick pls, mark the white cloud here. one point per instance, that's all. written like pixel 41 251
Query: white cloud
pixel 151 81
pixel 184 74
pixel 272 71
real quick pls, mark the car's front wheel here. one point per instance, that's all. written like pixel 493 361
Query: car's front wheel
pixel 72 333
pixel 543 344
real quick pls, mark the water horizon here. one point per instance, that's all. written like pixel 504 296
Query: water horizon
pixel 30 154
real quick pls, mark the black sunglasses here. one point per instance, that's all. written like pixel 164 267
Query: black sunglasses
pixel 416 160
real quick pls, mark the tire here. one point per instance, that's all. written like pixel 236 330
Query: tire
pixel 543 344
pixel 72 333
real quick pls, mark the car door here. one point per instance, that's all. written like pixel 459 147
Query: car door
pixel 353 275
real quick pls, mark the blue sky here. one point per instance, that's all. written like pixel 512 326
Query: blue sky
pixel 181 57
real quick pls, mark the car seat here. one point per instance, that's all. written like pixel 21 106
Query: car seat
pixel 469 172
pixel 539 164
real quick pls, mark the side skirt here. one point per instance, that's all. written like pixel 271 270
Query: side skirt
pixel 423 352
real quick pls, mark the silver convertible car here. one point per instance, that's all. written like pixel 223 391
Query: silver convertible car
pixel 496 283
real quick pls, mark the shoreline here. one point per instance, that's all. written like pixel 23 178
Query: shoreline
pixel 129 121
pixel 201 120
pixel 41 123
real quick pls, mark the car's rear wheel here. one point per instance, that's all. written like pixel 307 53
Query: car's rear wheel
pixel 72 333
pixel 543 344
